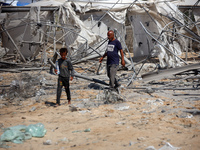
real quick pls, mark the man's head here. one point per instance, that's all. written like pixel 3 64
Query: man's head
pixel 111 35
pixel 63 53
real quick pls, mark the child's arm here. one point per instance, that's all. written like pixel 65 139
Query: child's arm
pixel 72 74
pixel 71 78
pixel 57 68
pixel 71 70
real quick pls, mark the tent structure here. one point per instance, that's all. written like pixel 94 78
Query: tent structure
pixel 158 29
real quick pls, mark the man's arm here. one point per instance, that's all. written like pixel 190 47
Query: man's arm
pixel 105 54
pixel 122 58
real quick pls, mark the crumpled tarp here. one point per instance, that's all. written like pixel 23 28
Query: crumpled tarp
pixel 20 133
pixel 91 20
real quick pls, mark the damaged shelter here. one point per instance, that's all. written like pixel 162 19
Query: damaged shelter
pixel 157 103
pixel 146 29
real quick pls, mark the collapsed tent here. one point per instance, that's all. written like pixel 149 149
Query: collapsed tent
pixel 159 29
pixel 27 32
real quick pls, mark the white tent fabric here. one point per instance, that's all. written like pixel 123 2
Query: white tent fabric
pixel 26 35
pixel 84 31
pixel 116 5
pixel 68 16
pixel 197 19
pixel 91 21
pixel 118 16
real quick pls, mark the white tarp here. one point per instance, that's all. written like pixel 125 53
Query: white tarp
pixel 26 34
pixel 143 12
pixel 91 21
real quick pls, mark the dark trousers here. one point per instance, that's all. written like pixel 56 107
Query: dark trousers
pixel 63 81
pixel 111 72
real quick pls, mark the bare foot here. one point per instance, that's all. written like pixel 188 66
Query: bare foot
pixel 57 105
pixel 69 101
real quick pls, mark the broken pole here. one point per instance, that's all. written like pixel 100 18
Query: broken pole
pixel 157 89
pixel 10 9
pixel 167 72
pixel 90 79
pixel 81 76
pixel 182 35
pixel 184 27
pixel 162 44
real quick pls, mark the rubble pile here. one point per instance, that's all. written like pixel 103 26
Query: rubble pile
pixel 21 86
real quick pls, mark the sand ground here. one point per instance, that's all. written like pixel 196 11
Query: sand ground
pixel 143 119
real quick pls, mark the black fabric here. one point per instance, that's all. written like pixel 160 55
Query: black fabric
pixel 63 81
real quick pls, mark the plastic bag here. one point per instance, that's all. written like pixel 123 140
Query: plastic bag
pixel 18 134
pixel 37 130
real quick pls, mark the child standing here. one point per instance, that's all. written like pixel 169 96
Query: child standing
pixel 64 69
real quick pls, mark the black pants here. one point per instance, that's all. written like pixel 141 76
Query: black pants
pixel 63 81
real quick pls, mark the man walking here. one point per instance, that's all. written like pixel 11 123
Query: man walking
pixel 113 59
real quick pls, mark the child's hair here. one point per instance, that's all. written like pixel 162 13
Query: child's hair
pixel 64 49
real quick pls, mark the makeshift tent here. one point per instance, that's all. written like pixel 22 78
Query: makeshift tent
pixel 83 27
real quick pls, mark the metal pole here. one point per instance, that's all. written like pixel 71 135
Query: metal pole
pixel 161 44
pixel 180 14
pixel 185 28
pixel 9 9
pixel 182 35
pixel 126 48
pixel 81 76
pixel 54 38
